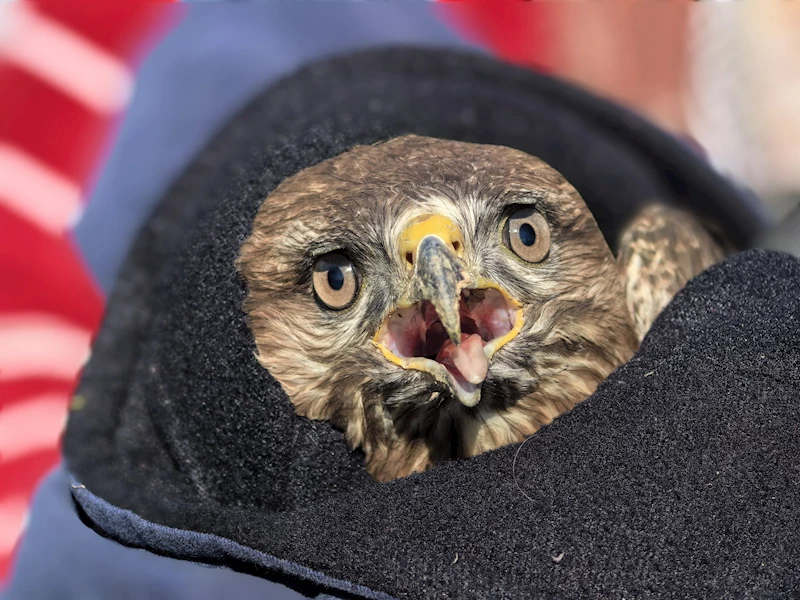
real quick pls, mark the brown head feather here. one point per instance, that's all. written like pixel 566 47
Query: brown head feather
pixel 577 328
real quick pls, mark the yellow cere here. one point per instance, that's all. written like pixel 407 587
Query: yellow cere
pixel 425 225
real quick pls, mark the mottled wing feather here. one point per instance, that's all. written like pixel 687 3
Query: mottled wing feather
pixel 660 250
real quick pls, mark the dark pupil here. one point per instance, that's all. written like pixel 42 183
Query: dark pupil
pixel 527 235
pixel 335 278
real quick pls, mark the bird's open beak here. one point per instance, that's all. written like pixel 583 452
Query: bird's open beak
pixel 439 277
pixel 448 324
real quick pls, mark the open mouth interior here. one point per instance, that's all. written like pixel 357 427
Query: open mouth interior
pixel 487 316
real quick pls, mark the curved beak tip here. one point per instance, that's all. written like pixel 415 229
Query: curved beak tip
pixel 439 277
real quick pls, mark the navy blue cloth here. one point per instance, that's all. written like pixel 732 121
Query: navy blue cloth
pixel 129 528
pixel 60 557
pixel 208 68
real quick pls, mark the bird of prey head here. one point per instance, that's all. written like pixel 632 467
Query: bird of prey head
pixel 433 299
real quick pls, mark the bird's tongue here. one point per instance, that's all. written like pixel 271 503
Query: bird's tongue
pixel 466 360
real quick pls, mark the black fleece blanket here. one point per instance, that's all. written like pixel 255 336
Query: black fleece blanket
pixel 678 477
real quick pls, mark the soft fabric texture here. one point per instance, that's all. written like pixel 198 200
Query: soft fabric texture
pixel 60 558
pixel 178 423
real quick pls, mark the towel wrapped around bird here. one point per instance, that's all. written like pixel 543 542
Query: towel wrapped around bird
pixel 430 338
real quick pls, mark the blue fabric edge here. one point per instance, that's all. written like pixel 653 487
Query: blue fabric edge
pixel 126 527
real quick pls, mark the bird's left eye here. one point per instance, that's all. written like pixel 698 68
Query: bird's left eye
pixel 527 235
pixel 335 281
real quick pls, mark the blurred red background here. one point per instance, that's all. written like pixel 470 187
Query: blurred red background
pixel 66 72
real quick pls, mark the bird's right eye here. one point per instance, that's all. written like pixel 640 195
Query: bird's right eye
pixel 335 280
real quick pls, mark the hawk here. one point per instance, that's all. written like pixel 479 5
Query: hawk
pixel 437 299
